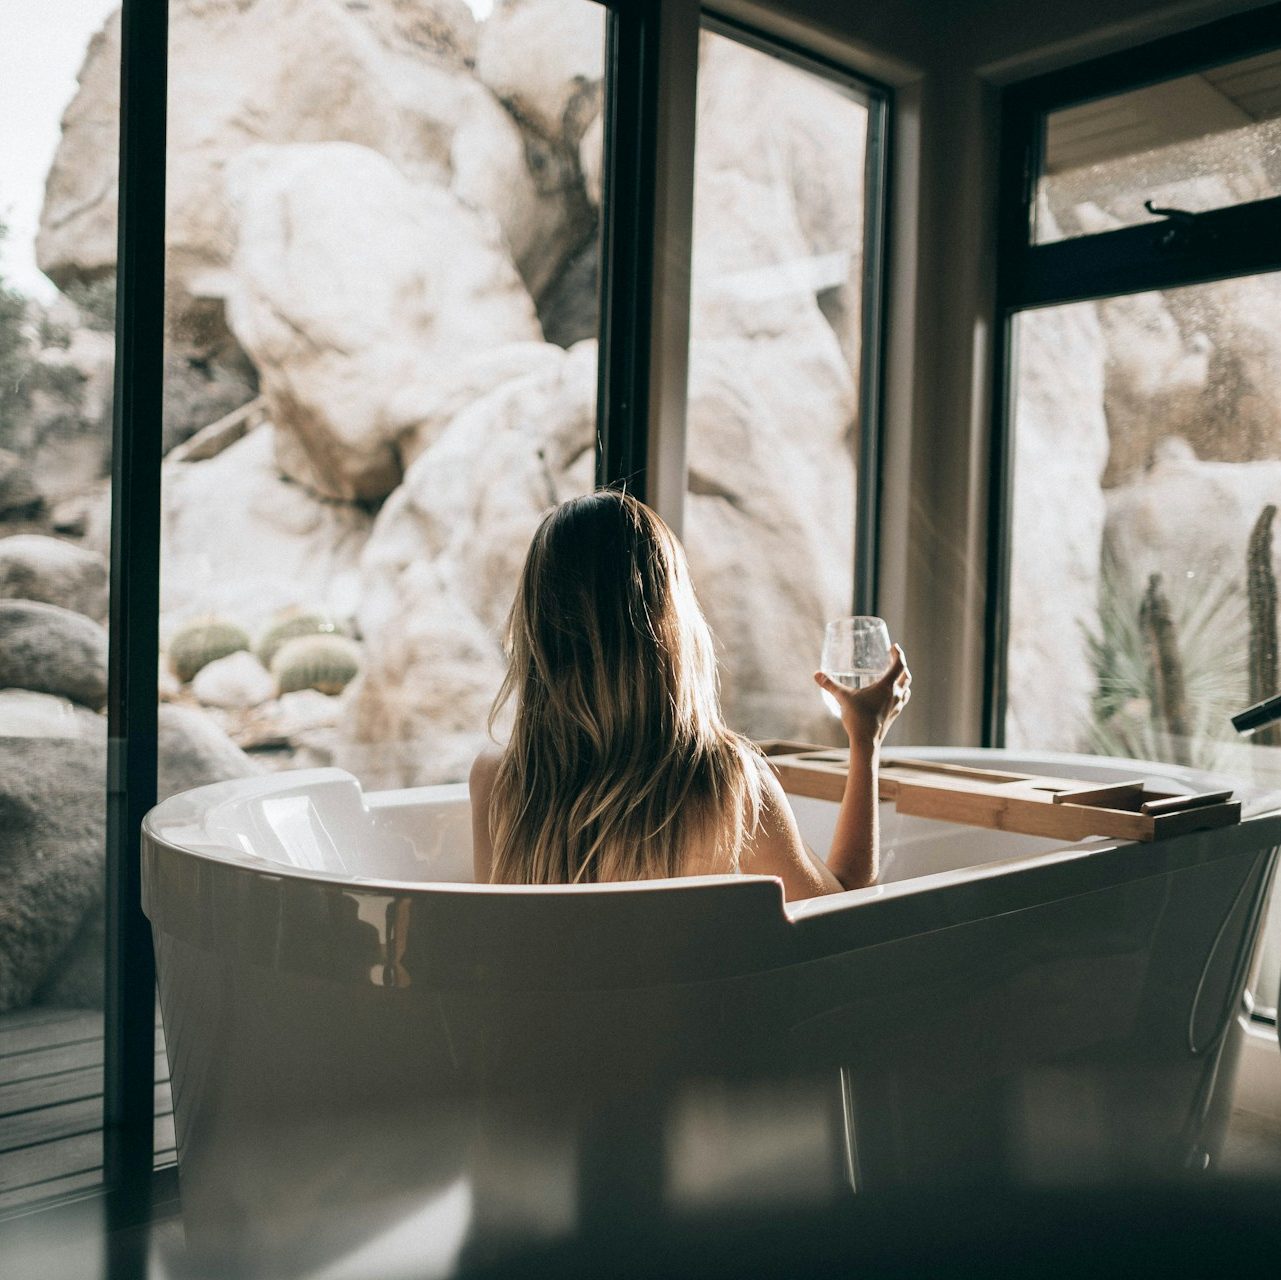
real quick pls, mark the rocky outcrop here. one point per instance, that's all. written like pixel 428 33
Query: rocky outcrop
pixel 1189 520
pixel 770 511
pixel 26 714
pixel 51 650
pixel 1060 451
pixel 49 570
pixel 791 145
pixel 52 809
pixel 357 293
pixel 237 682
pixel 52 833
pixel 545 61
pixel 20 499
pixel 441 566
pixel 387 75
pixel 241 541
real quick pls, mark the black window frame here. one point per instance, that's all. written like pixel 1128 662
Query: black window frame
pixel 877 165
pixel 1220 244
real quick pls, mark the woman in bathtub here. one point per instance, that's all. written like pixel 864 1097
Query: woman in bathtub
pixel 620 765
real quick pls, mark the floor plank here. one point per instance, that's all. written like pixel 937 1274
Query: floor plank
pixel 32 1037
pixel 51 1104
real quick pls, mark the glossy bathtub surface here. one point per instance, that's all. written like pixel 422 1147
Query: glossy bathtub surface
pixel 337 997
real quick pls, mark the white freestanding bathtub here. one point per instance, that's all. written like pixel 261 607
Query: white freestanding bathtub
pixel 354 1028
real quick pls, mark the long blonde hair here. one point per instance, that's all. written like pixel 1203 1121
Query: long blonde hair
pixel 619 766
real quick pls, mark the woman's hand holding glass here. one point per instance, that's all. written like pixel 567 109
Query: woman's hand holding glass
pixel 867 713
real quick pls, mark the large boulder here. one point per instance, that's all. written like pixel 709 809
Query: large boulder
pixel 49 649
pixel 52 841
pixel 235 683
pixel 769 516
pixel 241 541
pixel 771 135
pixel 1060 451
pixel 52 811
pixel 391 75
pixel 20 499
pixel 1155 379
pixel 545 61
pixel 194 752
pixel 25 714
pixel 1189 520
pixel 441 567
pixel 1201 362
pixel 33 567
pixel 357 293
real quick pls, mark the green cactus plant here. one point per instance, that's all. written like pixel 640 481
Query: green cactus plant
pixel 1261 588
pixel 1129 711
pixel 1169 690
pixel 289 626
pixel 201 642
pixel 327 663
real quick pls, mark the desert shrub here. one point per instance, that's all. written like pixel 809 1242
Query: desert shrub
pixel 16 361
pixel 1210 628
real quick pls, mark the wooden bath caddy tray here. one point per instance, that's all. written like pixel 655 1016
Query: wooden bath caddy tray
pixel 1029 803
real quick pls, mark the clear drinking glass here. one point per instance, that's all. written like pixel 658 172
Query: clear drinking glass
pixel 856 651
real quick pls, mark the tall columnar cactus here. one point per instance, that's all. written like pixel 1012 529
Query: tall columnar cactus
pixel 289 626
pixel 1169 692
pixel 1261 587
pixel 199 643
pixel 327 663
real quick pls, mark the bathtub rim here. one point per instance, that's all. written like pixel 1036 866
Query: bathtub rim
pixel 805 930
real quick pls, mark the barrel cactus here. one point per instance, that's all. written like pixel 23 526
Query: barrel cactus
pixel 327 663
pixel 201 642
pixel 289 626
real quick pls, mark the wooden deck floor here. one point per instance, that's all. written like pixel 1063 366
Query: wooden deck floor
pixel 51 1104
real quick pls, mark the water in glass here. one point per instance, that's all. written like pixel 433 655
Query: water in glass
pixel 856 652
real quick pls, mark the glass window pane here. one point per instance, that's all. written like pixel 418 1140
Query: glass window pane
pixel 773 430
pixel 381 369
pixel 56 366
pixel 1145 553
pixel 1198 142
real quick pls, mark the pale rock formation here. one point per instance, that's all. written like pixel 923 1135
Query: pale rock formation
pixel 33 567
pixel 545 61
pixel 20 499
pixel 237 682
pixel 391 75
pixel 25 714
pixel 240 540
pixel 591 158
pixel 772 397
pixel 1201 362
pixel 1189 520
pixel 53 780
pixel 1060 451
pixel 472 379
pixel 193 752
pixel 357 293
pixel 441 566
pixel 793 144
pixel 1154 380
pixel 49 649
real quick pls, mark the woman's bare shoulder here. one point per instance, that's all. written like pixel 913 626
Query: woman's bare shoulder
pixel 484 768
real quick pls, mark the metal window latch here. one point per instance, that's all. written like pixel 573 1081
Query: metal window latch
pixel 1183 229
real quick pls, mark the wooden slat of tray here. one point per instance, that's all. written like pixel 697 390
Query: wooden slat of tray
pixel 1031 804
